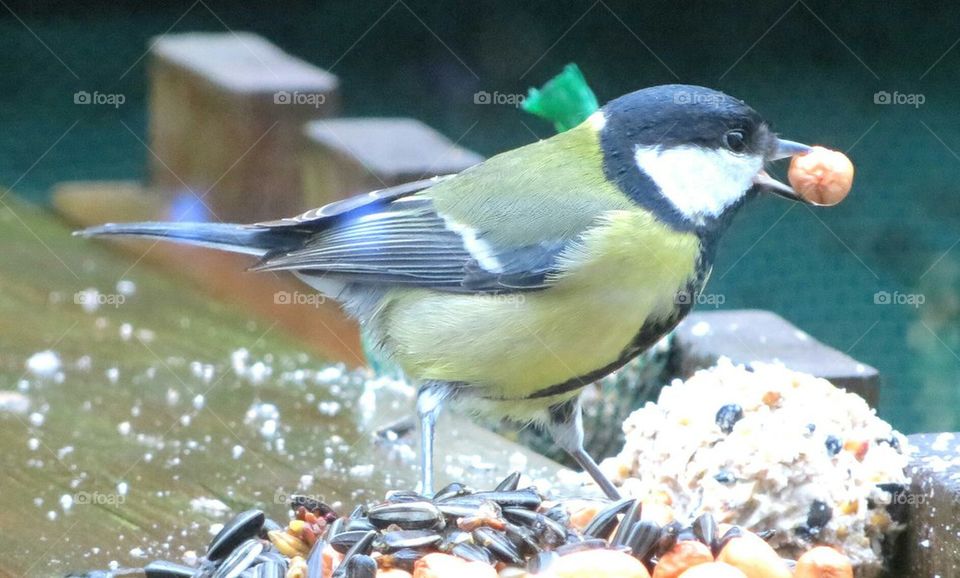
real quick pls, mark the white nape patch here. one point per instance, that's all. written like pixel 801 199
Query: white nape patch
pixel 699 182
pixel 597 120
pixel 478 248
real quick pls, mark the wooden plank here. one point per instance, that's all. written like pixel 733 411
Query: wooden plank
pixel 226 114
pixel 123 412
pixel 346 156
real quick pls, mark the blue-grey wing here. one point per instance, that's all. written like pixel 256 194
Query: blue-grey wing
pixel 397 237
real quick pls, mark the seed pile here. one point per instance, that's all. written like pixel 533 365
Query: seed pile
pixel 505 532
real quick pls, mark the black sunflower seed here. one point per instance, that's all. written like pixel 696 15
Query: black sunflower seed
pixel 626 524
pixel 705 529
pixel 243 526
pixel 542 562
pixel 526 498
pixel 239 560
pixel 733 532
pixel 643 539
pixel 347 539
pixel 358 524
pixel 404 559
pixel 606 519
pixel 271 554
pixel 592 544
pixel 547 530
pixel 456 510
pixel 472 553
pixel 360 566
pixel 453 490
pixel 409 516
pixel 267 570
pixel 400 539
pixel 509 483
pixel 164 569
pixel 404 496
pixel 498 544
pixel 361 548
pixel 522 538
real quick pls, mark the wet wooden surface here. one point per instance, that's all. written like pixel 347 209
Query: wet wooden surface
pixel 150 409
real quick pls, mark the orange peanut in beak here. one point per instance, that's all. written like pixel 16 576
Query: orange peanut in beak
pixel 821 176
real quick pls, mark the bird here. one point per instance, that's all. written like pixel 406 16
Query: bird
pixel 510 286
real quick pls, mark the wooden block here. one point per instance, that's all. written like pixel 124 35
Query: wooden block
pixel 346 156
pixel 746 336
pixel 931 544
pixel 226 113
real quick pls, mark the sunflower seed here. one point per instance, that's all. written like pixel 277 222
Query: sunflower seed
pixel 705 529
pixel 243 526
pixel 498 544
pixel 626 524
pixel 164 569
pixel 509 483
pixel 605 521
pixel 400 539
pixel 409 516
pixel 239 560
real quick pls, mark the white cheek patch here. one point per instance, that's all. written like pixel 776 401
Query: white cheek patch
pixel 699 182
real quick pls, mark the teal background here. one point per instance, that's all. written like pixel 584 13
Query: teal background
pixel 812 68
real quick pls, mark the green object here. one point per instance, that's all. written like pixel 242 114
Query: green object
pixel 566 100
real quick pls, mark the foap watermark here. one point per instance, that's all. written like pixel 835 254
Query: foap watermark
pixel 93 299
pixel 299 298
pixel 314 99
pixel 689 97
pixel 514 299
pixel 99 499
pixel 898 298
pixel 915 100
pixel 293 499
pixel 904 497
pixel 99 98
pixel 714 300
pixel 499 98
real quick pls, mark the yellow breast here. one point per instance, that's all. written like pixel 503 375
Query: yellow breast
pixel 626 272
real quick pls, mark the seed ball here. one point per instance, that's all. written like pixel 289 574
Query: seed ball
pixel 821 176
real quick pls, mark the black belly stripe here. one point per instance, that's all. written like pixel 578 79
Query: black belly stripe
pixel 649 334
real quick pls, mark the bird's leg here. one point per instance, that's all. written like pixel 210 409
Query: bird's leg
pixel 565 424
pixel 430 398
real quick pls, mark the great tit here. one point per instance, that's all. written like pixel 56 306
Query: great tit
pixel 512 285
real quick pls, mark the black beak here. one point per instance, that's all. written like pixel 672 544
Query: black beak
pixel 784 149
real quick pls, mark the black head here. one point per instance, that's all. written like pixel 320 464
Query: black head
pixel 690 154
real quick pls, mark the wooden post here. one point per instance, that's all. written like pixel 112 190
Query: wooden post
pixel 226 115
pixel 346 156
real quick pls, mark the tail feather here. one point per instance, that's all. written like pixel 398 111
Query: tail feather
pixel 246 239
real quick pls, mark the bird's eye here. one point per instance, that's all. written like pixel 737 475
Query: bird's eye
pixel 735 140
